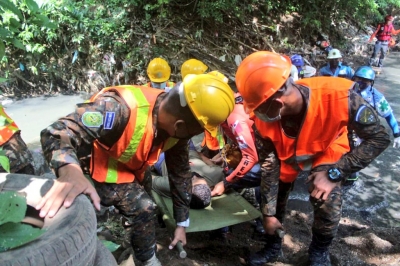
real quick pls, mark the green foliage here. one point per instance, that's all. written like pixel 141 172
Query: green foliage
pixel 12 232
pixel 4 161
pixel 111 246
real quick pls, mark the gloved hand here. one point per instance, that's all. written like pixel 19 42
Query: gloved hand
pixel 396 142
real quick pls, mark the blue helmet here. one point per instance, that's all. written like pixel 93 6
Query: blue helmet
pixel 297 60
pixel 365 72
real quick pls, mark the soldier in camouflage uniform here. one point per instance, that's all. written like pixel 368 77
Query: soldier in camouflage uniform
pixel 296 132
pixel 11 143
pixel 69 145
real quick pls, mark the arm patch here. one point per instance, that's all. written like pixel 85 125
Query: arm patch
pixel 365 115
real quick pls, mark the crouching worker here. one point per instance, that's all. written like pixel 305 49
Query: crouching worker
pixel 13 147
pixel 117 135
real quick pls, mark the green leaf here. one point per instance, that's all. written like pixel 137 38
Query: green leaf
pixel 111 246
pixel 7 5
pixel 3 80
pixel 17 43
pixel 16 234
pixel 2 49
pixel 32 5
pixel 4 33
pixel 12 206
pixel 50 25
pixel 5 163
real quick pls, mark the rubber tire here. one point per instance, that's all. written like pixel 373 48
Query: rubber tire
pixel 70 238
pixel 104 256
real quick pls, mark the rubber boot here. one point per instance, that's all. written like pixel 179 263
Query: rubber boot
pixel 318 252
pixel 269 253
pixel 153 261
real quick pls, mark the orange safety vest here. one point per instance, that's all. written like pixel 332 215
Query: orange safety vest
pixel 322 138
pixel 384 32
pixel 7 126
pixel 133 152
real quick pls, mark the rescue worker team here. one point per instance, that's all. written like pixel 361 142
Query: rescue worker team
pixel 281 127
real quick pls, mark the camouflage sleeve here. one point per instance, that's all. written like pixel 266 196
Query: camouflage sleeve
pixel 270 171
pixel 70 138
pixel 21 160
pixel 364 120
pixel 180 179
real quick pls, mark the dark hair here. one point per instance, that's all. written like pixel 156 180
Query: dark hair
pixel 201 196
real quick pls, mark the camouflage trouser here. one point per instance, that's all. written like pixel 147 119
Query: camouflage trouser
pixel 132 200
pixel 326 214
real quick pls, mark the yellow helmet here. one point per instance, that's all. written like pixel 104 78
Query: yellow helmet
pixel 219 75
pixel 193 66
pixel 158 70
pixel 209 98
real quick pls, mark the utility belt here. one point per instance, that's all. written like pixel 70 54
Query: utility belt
pixel 383 41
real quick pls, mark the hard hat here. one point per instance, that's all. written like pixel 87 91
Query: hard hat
pixel 259 76
pixel 219 75
pixel 365 72
pixel 297 60
pixel 193 66
pixel 389 18
pixel 209 98
pixel 158 70
pixel 334 53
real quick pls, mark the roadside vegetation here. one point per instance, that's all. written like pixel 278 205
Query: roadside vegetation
pixel 53 46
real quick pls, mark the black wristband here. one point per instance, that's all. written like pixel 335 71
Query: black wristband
pixel 396 135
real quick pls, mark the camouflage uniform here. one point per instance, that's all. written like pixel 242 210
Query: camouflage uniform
pixel 69 141
pixel 326 214
pixel 21 160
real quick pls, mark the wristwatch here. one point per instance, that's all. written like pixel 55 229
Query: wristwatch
pixel 334 175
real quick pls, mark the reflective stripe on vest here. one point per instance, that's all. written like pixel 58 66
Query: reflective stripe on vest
pixel 212 143
pixel 128 157
pixel 322 138
pixel 7 126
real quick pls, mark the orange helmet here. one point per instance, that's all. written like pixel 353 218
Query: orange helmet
pixel 259 76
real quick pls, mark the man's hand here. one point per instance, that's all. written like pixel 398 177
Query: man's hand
pixel 320 186
pixel 66 188
pixel 179 235
pixel 218 189
pixel 271 224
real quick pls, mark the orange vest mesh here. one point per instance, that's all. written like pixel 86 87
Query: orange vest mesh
pixel 106 159
pixel 8 127
pixel 322 138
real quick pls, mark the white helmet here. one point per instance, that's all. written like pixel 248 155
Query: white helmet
pixel 334 53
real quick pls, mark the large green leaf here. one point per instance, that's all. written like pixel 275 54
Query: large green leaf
pixel 12 207
pixel 111 246
pixel 7 5
pixel 3 79
pixel 17 43
pixel 16 234
pixel 32 5
pixel 2 49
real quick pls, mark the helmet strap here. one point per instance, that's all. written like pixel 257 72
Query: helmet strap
pixel 182 98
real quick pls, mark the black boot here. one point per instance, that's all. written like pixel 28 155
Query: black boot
pixel 318 252
pixel 269 253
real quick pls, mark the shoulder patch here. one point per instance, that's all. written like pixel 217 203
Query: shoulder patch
pixel 92 119
pixel 109 120
pixel 365 115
